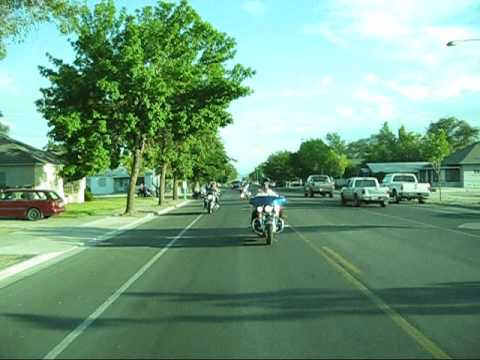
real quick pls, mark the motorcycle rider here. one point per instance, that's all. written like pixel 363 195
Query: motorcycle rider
pixel 212 188
pixel 265 190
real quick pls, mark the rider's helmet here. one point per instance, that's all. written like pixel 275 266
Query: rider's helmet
pixel 265 183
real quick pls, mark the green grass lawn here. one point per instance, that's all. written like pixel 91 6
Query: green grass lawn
pixel 9 260
pixel 112 206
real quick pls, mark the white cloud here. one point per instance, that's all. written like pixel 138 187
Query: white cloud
pixel 344 111
pixel 301 90
pixel 372 78
pixel 326 32
pixel 381 106
pixel 8 84
pixel 254 7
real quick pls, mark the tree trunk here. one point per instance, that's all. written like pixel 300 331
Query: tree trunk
pixel 163 177
pixel 137 161
pixel 175 187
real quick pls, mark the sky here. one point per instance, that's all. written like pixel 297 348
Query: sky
pixel 322 66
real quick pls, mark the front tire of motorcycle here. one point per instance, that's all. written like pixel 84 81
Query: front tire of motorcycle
pixel 210 208
pixel 269 233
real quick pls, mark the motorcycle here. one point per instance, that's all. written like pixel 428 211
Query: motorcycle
pixel 266 220
pixel 211 203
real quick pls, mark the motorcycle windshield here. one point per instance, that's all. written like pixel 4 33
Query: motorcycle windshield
pixel 267 200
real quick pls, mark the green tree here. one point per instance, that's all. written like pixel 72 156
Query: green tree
pixel 18 17
pixel 134 79
pixel 337 143
pixel 278 167
pixel 436 149
pixel 459 132
pixel 316 157
pixel 408 146
pixel 4 129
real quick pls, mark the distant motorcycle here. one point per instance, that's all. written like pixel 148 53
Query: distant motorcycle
pixel 266 220
pixel 211 203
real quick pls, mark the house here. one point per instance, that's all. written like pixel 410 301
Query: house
pixel 463 167
pixel 116 181
pixel 22 165
pixel 379 170
pixel 460 169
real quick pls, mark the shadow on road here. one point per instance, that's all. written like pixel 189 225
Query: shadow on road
pixel 307 304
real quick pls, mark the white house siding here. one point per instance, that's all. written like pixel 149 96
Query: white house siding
pixel 47 177
pixel 471 176
pixel 75 191
pixel 17 175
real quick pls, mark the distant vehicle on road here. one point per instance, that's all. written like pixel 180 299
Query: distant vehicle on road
pixel 30 204
pixel 319 184
pixel 236 185
pixel 406 186
pixel 367 190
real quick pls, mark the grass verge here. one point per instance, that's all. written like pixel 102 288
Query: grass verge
pixel 114 206
pixel 10 260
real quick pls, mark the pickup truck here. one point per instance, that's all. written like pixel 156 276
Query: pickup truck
pixel 319 184
pixel 367 190
pixel 406 186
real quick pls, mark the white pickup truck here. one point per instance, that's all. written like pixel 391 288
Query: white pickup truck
pixel 406 186
pixel 361 190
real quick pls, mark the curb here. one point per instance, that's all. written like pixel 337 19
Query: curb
pixel 37 261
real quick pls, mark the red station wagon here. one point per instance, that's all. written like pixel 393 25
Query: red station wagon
pixel 30 204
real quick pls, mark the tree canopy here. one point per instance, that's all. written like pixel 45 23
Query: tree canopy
pixel 18 17
pixel 140 83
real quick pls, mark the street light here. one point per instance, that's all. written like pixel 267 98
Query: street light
pixel 456 42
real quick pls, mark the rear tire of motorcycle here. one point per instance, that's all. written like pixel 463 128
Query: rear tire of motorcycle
pixel 269 233
pixel 421 201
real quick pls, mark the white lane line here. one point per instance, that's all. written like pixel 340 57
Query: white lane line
pixel 57 350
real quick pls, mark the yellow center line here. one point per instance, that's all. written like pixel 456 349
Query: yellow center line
pixel 345 268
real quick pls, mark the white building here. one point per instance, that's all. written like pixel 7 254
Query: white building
pixel 116 182
pixel 22 165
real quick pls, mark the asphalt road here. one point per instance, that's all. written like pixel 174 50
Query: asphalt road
pixel 340 282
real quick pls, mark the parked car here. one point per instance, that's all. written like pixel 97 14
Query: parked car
pixel 30 204
pixel 319 184
pixel 406 186
pixel 361 190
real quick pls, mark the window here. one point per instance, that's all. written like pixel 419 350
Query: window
pixel 365 183
pixel 452 175
pixel 404 178
pixel 40 196
pixel 320 179
pixel 476 172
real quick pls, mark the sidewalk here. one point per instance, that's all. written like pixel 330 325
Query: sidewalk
pixel 43 241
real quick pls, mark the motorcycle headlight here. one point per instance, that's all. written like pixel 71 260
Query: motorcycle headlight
pixel 210 197
pixel 277 208
pixel 268 208
pixel 259 209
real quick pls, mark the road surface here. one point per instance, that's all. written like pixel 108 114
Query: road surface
pixel 340 282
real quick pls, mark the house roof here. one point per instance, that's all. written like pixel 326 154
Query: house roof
pixel 397 167
pixel 15 152
pixel 467 155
